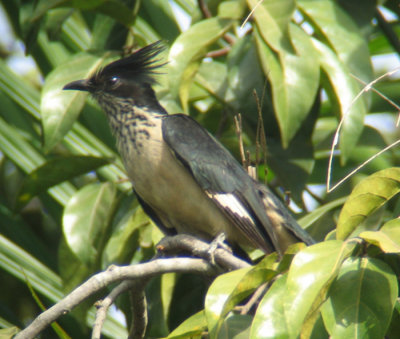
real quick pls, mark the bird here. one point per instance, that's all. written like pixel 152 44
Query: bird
pixel 186 181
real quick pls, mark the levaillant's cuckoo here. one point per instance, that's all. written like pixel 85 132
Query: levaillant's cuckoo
pixel 186 181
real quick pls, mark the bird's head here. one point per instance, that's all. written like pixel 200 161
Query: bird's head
pixel 130 77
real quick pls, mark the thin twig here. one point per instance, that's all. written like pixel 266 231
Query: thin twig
pixel 103 306
pixel 255 298
pixel 250 14
pixel 261 140
pixel 229 39
pixel 248 163
pixel 218 53
pixel 383 96
pixel 365 163
pixel 238 125
pixel 337 132
pixel 207 14
pixel 204 9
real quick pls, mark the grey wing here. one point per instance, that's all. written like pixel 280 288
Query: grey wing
pixel 221 177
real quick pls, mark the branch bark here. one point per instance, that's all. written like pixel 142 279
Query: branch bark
pixel 114 274
pixel 137 276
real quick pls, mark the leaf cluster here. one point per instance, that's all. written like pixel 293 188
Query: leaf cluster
pixel 66 208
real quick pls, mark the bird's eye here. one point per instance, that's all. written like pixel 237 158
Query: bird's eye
pixel 113 81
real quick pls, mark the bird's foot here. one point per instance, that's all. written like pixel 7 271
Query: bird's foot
pixel 218 242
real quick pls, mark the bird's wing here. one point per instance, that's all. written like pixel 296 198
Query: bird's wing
pixel 281 217
pixel 222 178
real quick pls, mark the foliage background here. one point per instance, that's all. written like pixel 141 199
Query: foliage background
pixel 67 212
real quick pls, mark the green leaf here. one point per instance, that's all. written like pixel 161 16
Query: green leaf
pixel 56 327
pixel 123 240
pixel 342 34
pixel 269 320
pixel 212 77
pixel 75 33
pixel 8 333
pixel 188 49
pixel 367 197
pixel 292 165
pixel 272 19
pixel 192 326
pixel 317 213
pixel 310 276
pixel 86 220
pixel 59 108
pixel 21 92
pixel 18 117
pixel 236 326
pixel 362 18
pixel 345 88
pixel 394 327
pixel 293 162
pixel 301 81
pixel 243 78
pixel 168 284
pixel 347 54
pixel 229 289
pixel 54 172
pixel 21 264
pixel 294 78
pixel 218 295
pixel 361 300
pixel 72 271
pixel 387 238
pixel 18 149
pixel 232 9
pixel 113 8
pixel 26 157
pixel 160 16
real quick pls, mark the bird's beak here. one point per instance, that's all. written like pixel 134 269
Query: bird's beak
pixel 78 85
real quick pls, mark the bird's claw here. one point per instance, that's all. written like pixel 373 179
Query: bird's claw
pixel 218 242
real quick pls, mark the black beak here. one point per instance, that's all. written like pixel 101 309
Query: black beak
pixel 78 85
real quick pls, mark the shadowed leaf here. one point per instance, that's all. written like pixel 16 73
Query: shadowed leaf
pixel 356 308
pixel 367 197
pixel 54 172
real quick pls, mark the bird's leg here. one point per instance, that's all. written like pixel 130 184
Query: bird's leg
pixel 218 242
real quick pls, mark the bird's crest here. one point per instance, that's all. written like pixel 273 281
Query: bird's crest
pixel 140 66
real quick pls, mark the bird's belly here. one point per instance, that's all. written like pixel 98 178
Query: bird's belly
pixel 169 188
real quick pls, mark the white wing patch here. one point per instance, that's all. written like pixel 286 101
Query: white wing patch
pixel 234 209
pixel 231 204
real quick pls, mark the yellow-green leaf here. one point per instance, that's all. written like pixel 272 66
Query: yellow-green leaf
pixel 310 276
pixel 361 300
pixel 367 197
pixel 387 238
pixel 187 51
pixel 229 289
pixel 194 325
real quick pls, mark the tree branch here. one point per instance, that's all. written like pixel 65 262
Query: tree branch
pixel 111 275
pixel 183 242
pixel 139 310
pixel 139 322
pixel 137 276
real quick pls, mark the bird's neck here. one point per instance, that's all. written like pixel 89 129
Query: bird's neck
pixel 130 123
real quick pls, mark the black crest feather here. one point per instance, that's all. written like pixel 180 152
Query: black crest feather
pixel 140 65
